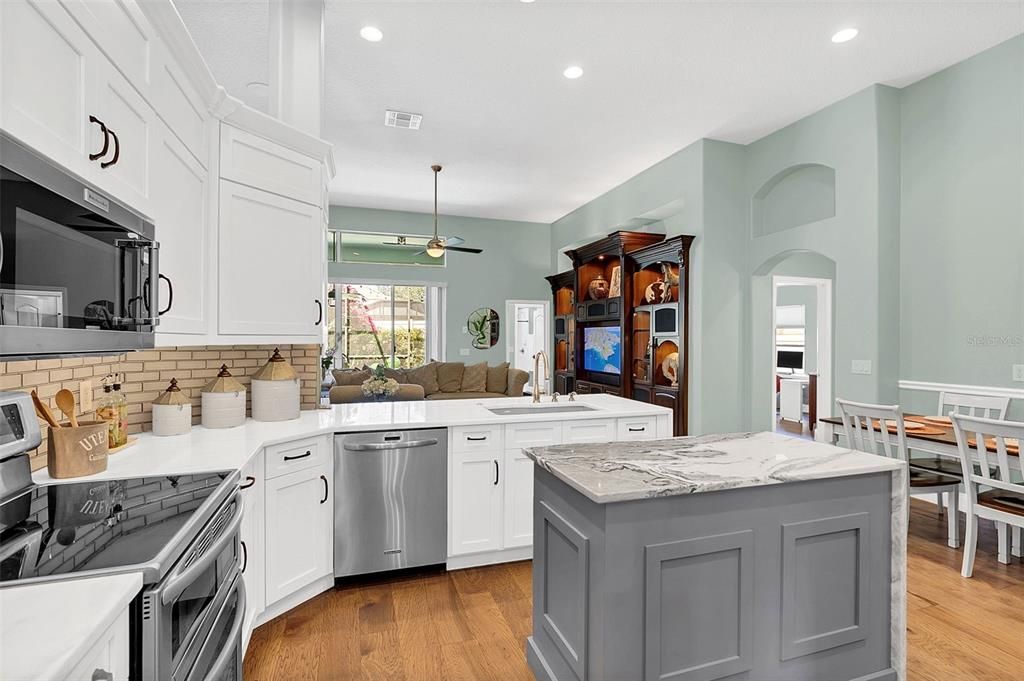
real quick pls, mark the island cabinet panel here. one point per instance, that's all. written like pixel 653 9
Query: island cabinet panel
pixel 781 581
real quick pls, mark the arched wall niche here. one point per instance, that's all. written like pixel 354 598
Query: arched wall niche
pixel 798 195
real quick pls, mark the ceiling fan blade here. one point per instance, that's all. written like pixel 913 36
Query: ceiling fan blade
pixel 461 249
pixel 453 241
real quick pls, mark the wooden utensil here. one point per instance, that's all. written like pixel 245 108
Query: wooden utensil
pixel 66 402
pixel 44 411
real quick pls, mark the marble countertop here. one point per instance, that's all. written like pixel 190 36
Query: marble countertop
pixel 205 449
pixel 626 471
pixel 48 628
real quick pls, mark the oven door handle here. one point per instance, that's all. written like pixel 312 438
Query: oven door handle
pixel 229 651
pixel 183 576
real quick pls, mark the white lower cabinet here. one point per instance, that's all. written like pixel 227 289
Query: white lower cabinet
pixel 476 501
pixel 518 508
pixel 299 530
pixel 253 541
pixel 108 659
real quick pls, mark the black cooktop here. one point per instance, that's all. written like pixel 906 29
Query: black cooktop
pixel 60 529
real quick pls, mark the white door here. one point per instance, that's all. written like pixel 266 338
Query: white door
pixel 476 501
pixel 180 210
pixel 527 333
pixel 270 253
pixel 253 550
pixel 46 81
pixel 298 534
pixel 518 490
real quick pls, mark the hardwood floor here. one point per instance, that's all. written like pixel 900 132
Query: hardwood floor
pixel 470 625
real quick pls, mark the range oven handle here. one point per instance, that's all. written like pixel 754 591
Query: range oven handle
pixel 182 577
pixel 150 285
pixel 379 446
pixel 229 651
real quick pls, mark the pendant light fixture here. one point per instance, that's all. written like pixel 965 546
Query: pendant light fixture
pixel 435 247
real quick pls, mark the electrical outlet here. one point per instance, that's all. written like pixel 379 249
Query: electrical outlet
pixel 464 352
pixel 85 396
pixel 1018 372
pixel 861 367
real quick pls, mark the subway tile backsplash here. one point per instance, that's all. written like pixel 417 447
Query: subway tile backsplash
pixel 147 373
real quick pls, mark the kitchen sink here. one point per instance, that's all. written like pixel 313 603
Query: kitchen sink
pixel 539 409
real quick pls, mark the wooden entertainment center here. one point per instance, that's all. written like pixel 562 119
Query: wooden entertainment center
pixel 648 315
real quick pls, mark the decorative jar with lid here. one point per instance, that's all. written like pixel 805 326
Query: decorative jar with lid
pixel 223 401
pixel 275 391
pixel 172 411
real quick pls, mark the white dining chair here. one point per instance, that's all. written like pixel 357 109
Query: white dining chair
pixel 997 499
pixel 860 432
pixel 984 406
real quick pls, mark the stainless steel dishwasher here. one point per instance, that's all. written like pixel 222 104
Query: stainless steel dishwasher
pixel 390 500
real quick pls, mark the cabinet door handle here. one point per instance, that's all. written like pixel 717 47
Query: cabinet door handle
pixel 117 151
pixel 245 557
pixel 249 482
pixel 326 490
pixel 106 139
pixel 638 430
pixel 299 456
pixel 476 439
pixel 319 311
pixel 170 295
pixel 496 474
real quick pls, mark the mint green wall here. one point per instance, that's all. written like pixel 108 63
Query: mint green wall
pixel 516 258
pixel 962 225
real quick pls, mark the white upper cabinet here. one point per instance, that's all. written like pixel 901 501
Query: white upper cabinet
pixel 270 251
pixel 122 33
pixel 46 62
pixel 181 207
pixel 181 108
pixel 251 160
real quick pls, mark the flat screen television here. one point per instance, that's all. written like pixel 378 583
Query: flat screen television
pixel 789 359
pixel 602 349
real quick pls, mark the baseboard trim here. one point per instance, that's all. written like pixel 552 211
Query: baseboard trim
pixel 489 558
pixel 294 600
pixel 1014 393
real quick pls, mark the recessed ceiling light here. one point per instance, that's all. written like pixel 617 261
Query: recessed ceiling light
pixel 371 33
pixel 573 72
pixel 526 1
pixel 845 35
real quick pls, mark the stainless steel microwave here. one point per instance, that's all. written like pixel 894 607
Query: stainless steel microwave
pixel 79 272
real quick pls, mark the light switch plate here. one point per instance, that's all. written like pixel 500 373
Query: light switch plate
pixel 465 329
pixel 1018 372
pixel 861 367
pixel 85 396
pixel 464 352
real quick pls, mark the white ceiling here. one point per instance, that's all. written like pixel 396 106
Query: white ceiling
pixel 519 141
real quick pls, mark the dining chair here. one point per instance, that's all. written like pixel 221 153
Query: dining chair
pixel 985 406
pixel 1002 501
pixel 858 426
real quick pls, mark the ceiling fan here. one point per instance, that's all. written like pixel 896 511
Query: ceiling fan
pixel 437 246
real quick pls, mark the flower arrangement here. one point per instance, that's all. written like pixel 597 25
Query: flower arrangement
pixel 378 386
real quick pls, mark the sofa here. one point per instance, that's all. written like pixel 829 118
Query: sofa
pixel 436 381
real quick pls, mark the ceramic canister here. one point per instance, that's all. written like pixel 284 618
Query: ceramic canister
pixel 223 401
pixel 275 391
pixel 172 412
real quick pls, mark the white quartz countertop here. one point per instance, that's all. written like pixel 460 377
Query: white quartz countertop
pixel 48 628
pixel 204 449
pixel 626 471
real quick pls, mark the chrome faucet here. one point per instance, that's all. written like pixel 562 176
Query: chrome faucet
pixel 536 374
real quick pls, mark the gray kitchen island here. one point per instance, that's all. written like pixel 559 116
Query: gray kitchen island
pixel 751 557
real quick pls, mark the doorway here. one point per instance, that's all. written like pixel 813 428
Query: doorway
pixel 527 334
pixel 801 353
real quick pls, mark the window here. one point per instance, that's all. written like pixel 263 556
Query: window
pixel 398 325
pixel 380 249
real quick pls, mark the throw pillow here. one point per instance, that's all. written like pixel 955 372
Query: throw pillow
pixel 474 378
pixel 350 376
pixel 497 378
pixel 397 374
pixel 449 376
pixel 424 376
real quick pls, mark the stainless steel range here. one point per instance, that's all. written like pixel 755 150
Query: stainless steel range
pixel 179 531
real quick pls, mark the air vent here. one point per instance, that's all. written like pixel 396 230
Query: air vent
pixel 401 119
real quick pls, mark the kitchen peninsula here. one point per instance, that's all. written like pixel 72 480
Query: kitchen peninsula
pixel 702 558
